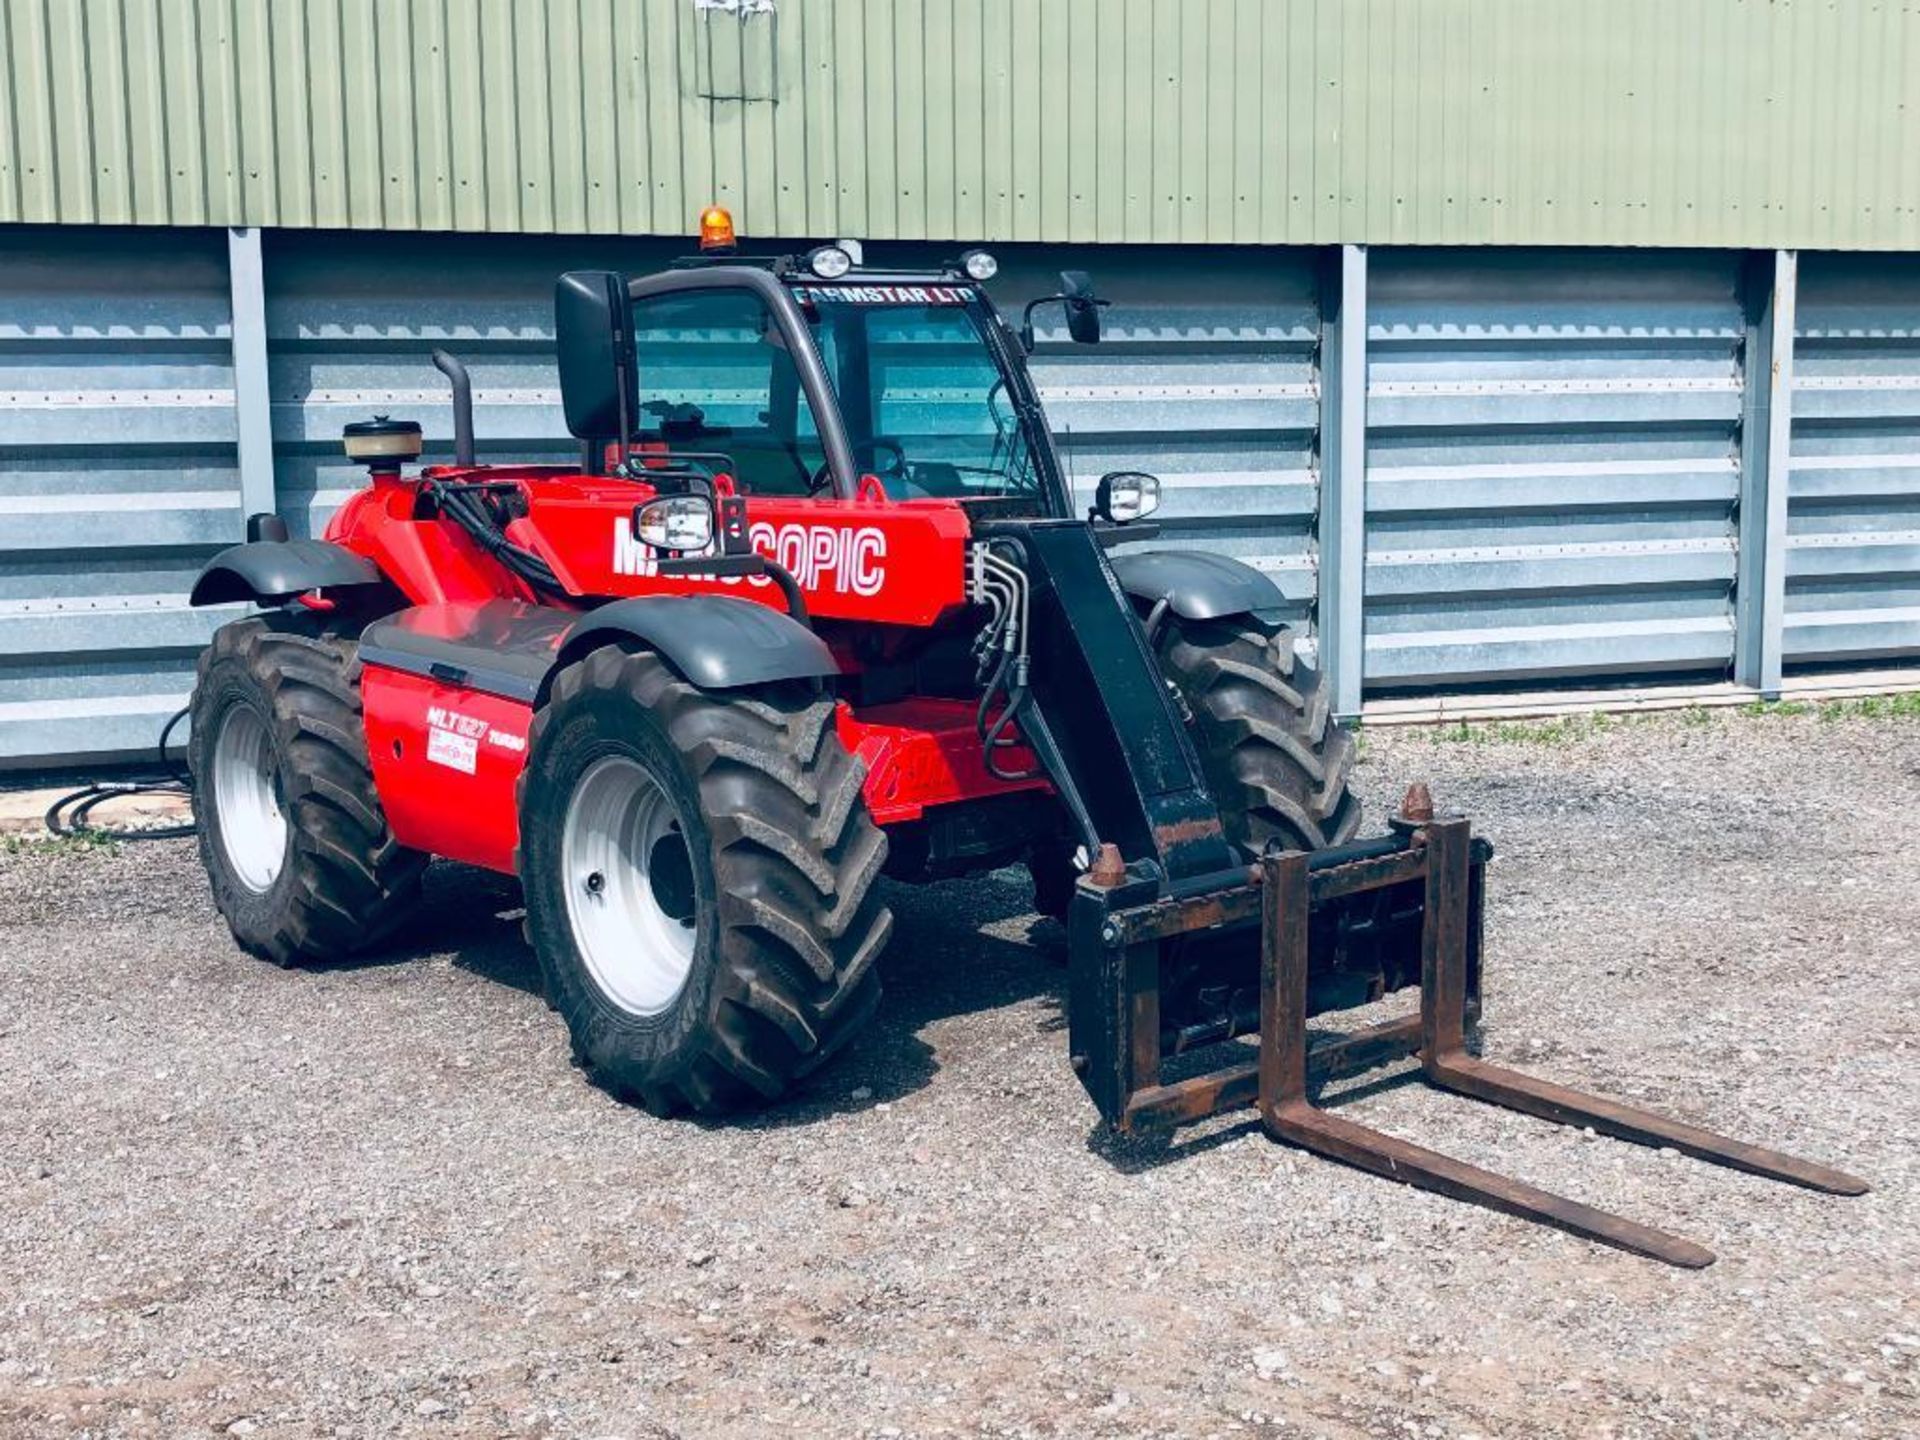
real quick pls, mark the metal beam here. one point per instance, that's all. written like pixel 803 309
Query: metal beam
pixel 1766 429
pixel 246 280
pixel 1343 476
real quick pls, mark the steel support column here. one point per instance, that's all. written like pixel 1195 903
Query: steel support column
pixel 1343 475
pixel 1766 425
pixel 246 280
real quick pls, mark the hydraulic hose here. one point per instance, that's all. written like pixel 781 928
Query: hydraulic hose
pixel 459 505
pixel 71 814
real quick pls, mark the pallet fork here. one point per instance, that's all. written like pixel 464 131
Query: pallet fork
pixel 1117 1049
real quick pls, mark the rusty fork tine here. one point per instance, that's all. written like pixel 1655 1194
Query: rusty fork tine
pixel 1287 1114
pixel 1465 1075
pixel 1446 1063
pixel 1299 1123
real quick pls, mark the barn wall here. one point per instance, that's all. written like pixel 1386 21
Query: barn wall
pixel 1562 472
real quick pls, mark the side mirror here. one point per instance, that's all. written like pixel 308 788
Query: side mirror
pixel 593 332
pixel 1125 495
pixel 1083 309
pixel 1083 306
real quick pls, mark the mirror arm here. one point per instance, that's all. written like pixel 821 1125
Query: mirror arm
pixel 1107 534
pixel 624 363
pixel 1026 319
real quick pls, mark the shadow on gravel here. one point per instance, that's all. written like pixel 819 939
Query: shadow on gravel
pixel 941 963
pixel 471 916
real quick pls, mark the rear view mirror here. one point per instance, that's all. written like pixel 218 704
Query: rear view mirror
pixel 1083 307
pixel 593 332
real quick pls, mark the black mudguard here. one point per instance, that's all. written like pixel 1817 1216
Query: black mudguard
pixel 512 649
pixel 272 572
pixel 716 641
pixel 1197 585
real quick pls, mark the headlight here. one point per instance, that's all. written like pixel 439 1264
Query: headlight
pixel 681 523
pixel 979 265
pixel 1127 495
pixel 829 262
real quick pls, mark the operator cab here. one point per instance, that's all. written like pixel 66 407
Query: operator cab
pixel 816 376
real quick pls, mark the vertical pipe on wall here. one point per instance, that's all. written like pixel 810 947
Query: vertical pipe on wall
pixel 1343 475
pixel 246 281
pixel 1766 425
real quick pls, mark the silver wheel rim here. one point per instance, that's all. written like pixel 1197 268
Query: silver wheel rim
pixel 246 799
pixel 628 879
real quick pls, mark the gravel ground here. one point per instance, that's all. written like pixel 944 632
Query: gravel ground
pixel 376 1199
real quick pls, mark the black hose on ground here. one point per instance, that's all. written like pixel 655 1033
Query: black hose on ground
pixel 70 815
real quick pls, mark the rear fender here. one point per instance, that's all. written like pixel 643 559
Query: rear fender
pixel 1197 585
pixel 272 572
pixel 716 641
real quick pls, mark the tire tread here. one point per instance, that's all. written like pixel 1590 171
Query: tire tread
pixel 1279 765
pixel 796 863
pixel 352 883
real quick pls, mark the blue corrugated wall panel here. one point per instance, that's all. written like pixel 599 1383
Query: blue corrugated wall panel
pixel 1552 465
pixel 1853 518
pixel 117 480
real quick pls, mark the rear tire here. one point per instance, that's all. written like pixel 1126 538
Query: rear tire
pixel 738 816
pixel 1276 761
pixel 299 855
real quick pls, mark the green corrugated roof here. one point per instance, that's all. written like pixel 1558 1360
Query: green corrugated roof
pixel 1640 122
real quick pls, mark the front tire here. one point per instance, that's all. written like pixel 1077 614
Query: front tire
pixel 700 877
pixel 1277 762
pixel 299 855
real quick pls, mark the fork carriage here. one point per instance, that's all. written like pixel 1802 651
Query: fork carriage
pixel 1406 909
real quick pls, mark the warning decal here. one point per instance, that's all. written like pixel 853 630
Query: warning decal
pixel 457 752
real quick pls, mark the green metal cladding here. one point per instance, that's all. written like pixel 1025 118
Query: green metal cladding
pixel 1748 123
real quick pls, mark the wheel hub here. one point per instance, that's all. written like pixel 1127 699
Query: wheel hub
pixel 629 885
pixel 246 799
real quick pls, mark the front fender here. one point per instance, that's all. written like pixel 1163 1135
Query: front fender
pixel 272 572
pixel 1195 584
pixel 719 642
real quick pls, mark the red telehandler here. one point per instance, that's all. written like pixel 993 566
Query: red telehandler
pixel 814 607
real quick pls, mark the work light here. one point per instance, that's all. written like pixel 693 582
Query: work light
pixel 1127 495
pixel 829 262
pixel 679 523
pixel 979 265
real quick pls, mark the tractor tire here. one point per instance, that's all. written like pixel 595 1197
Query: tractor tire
pixel 1277 763
pixel 302 863
pixel 700 874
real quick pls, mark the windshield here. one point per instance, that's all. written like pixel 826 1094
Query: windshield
pixel 926 407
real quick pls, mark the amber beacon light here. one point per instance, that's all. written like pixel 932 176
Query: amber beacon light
pixel 716 228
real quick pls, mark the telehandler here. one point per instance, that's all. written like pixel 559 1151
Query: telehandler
pixel 816 606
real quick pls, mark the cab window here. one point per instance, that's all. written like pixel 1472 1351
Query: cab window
pixel 716 376
pixel 925 404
